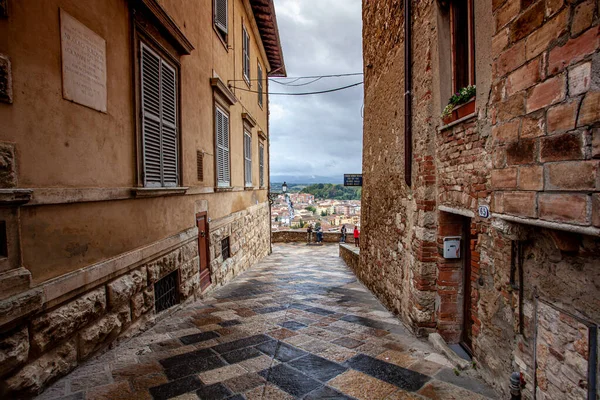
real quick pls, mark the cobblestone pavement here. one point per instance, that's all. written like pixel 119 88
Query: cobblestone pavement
pixel 298 325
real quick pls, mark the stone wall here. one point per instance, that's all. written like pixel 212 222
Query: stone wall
pixel 51 342
pixel 301 237
pixel 532 140
pixel 249 241
pixel 351 256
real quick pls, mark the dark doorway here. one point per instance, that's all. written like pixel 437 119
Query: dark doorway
pixel 467 329
pixel 202 224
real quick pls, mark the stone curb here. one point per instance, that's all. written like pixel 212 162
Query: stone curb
pixel 440 344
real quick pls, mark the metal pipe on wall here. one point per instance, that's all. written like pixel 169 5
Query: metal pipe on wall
pixel 408 92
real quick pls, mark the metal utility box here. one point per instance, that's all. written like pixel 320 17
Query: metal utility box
pixel 452 247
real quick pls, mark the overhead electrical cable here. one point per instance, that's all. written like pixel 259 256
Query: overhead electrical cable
pixel 296 78
pixel 301 94
pixel 299 84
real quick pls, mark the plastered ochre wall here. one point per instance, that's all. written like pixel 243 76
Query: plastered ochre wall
pixel 61 144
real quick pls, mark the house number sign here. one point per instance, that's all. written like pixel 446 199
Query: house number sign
pixel 484 211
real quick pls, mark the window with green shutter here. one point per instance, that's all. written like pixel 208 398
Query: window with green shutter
pixel 160 138
pixel 222 148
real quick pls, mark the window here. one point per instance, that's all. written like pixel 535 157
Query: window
pixel 246 54
pixel 220 18
pixel 159 116
pixel 225 248
pixel 222 150
pixel 247 159
pixel 261 164
pixel 259 85
pixel 463 44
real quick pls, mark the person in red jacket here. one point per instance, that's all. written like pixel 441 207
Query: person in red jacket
pixel 356 236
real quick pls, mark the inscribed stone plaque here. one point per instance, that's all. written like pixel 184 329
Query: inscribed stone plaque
pixel 83 63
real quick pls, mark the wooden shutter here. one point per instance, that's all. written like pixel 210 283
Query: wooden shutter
pixel 246 53
pixel 220 8
pixel 159 120
pixel 222 148
pixel 260 85
pixel 150 79
pixel 248 158
pixel 261 164
pixel 200 165
pixel 169 141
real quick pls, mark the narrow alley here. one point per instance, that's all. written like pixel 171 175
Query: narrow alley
pixel 297 325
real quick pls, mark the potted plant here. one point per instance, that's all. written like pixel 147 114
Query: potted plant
pixel 461 104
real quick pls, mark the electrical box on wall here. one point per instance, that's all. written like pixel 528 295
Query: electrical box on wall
pixel 452 247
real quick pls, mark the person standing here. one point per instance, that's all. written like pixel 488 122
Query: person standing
pixel 356 236
pixel 343 237
pixel 309 234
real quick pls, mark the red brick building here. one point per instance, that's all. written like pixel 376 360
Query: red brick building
pixel 514 173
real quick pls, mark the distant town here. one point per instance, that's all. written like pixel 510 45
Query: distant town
pixel 329 206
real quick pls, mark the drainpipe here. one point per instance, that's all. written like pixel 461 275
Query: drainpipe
pixel 407 92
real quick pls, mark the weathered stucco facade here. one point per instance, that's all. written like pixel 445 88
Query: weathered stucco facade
pixel 84 238
pixel 525 290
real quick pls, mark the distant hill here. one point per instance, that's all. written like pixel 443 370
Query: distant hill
pixel 306 179
pixel 335 192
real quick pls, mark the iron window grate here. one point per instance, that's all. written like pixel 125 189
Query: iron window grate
pixel 200 165
pixel 166 293
pixel 225 248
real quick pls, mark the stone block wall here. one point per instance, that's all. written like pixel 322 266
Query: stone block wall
pixel 249 235
pixel 351 256
pixel 53 341
pixel 301 237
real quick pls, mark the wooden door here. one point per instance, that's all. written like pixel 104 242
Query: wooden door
pixel 467 330
pixel 202 224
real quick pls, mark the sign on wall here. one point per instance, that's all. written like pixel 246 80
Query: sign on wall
pixel 83 63
pixel 352 179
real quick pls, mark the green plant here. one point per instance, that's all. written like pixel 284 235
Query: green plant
pixel 461 97
pixel 456 372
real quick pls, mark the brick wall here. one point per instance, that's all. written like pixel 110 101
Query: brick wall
pixel 546 110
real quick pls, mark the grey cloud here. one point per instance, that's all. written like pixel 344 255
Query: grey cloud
pixel 319 134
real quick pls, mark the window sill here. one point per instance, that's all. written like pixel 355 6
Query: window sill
pixel 250 188
pixel 224 189
pixel 221 39
pixel 158 192
pixel 14 197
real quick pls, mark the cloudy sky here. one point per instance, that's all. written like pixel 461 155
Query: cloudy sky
pixel 319 134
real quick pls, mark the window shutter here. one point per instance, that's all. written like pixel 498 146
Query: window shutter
pixel 222 148
pixel 159 120
pixel 200 165
pixel 261 164
pixel 248 159
pixel 220 7
pixel 260 85
pixel 245 53
pixel 150 77
pixel 169 124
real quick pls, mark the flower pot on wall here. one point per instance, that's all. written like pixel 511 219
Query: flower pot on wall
pixel 465 109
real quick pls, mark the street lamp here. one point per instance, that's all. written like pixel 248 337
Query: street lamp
pixel 284 187
pixel 273 195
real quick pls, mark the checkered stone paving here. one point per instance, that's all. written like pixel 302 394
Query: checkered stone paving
pixel 296 326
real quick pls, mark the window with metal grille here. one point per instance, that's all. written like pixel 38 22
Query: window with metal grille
pixel 246 54
pixel 259 88
pixel 225 248
pixel 159 114
pixel 220 17
pixel 247 159
pixel 261 164
pixel 463 44
pixel 166 292
pixel 222 148
pixel 200 165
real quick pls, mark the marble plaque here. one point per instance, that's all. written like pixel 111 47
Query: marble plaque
pixel 83 63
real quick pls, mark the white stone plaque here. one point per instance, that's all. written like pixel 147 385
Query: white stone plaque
pixel 83 63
